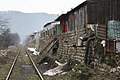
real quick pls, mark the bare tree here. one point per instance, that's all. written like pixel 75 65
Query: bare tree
pixel 6 37
pixel 14 39
pixel 3 25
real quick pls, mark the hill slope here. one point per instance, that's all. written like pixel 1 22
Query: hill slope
pixel 26 23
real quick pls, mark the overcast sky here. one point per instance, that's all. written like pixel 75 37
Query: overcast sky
pixel 31 6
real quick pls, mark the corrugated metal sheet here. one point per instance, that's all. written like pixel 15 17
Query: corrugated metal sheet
pixel 113 46
pixel 71 22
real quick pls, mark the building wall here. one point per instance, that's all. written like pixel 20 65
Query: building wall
pixel 65 50
pixel 101 11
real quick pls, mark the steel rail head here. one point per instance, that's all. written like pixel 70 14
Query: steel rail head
pixel 12 67
pixel 14 62
pixel 38 72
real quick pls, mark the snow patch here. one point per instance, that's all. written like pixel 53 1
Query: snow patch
pixel 33 50
pixel 55 70
pixel 58 63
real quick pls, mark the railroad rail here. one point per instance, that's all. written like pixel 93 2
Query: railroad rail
pixel 32 62
pixel 12 67
pixel 35 67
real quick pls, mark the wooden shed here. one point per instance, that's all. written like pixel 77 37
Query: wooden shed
pixel 102 12
pixel 93 12
pixel 63 22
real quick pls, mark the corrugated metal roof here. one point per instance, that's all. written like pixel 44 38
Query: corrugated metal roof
pixel 76 8
pixel 51 24
pixel 61 17
pixel 48 24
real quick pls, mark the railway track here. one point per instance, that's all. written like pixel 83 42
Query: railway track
pixel 19 58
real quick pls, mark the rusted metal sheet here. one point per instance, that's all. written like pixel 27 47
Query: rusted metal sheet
pixel 71 21
pixel 101 32
pixel 113 46
pixel 110 46
pixel 77 18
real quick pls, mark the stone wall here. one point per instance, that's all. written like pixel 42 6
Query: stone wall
pixel 66 50
pixel 66 47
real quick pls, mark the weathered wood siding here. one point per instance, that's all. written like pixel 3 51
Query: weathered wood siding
pixel 101 11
